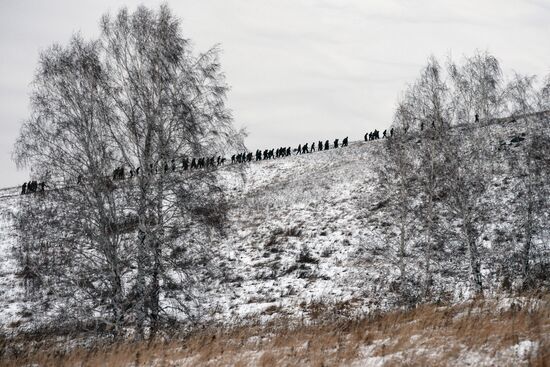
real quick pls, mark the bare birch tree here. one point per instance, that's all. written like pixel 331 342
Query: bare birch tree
pixel 476 87
pixel 397 181
pixel 427 102
pixel 137 101
pixel 466 179
pixel 451 172
pixel 528 167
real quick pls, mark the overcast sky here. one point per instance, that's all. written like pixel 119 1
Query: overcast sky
pixel 300 70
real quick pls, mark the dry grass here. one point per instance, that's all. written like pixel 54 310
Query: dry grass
pixel 427 335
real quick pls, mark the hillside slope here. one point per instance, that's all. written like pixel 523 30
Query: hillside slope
pixel 305 230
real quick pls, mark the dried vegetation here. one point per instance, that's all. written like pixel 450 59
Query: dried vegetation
pixel 505 332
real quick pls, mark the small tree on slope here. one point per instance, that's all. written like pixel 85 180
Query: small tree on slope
pixel 396 179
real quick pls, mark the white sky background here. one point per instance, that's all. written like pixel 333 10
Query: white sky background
pixel 300 70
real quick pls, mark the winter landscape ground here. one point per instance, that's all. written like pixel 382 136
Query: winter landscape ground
pixel 306 275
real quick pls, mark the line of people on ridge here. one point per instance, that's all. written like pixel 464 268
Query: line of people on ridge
pixel 120 173
pixel 186 164
pixel 206 162
pixel 285 152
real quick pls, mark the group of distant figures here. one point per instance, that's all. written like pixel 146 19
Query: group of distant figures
pixel 186 164
pixel 375 135
pixel 206 162
pixel 286 152
pixel 302 149
pixel 32 187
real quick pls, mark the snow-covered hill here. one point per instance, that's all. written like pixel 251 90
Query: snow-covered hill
pixel 305 230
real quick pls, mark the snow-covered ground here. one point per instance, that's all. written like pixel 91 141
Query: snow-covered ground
pixel 302 230
pixel 297 227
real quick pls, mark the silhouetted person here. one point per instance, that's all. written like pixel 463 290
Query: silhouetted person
pixel 288 151
pixel 312 147
pixel 345 142
pixel 118 173
pixel 173 165
pixel 31 186
pixel 335 143
pixel 366 136
pixel 320 145
pixel 24 189
pixel 391 132
pixel 327 146
pixel 477 117
pixel 305 148
pixel 299 149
